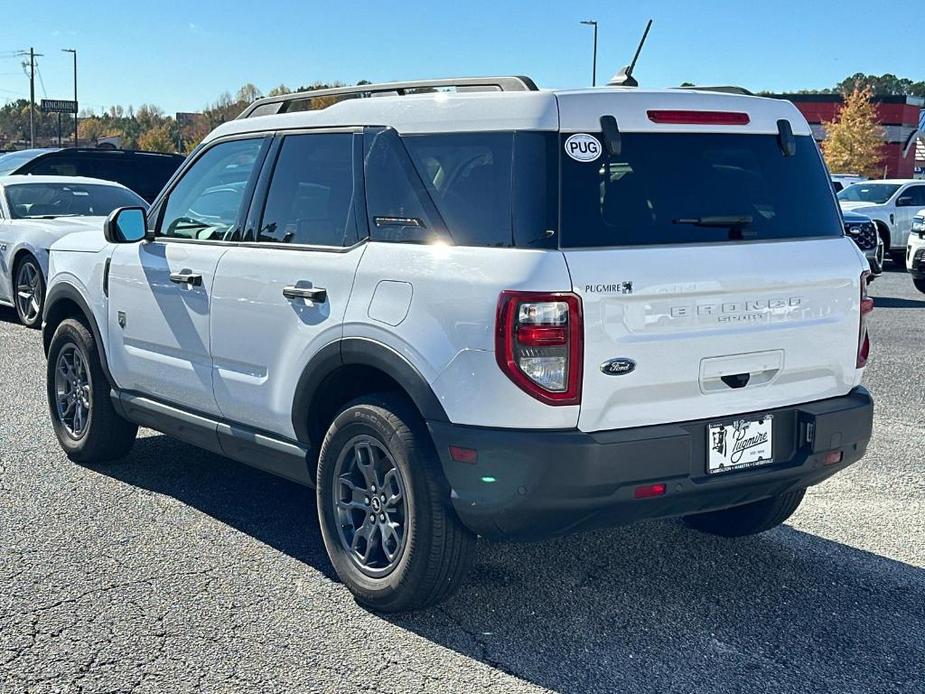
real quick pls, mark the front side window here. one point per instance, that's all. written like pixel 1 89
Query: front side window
pixel 916 195
pixel 50 200
pixel 207 201
pixel 313 193
pixel 677 188
pixel 875 193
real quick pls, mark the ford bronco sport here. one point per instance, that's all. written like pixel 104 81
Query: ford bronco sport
pixel 471 307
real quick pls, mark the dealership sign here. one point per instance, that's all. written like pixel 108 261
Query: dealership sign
pixel 58 106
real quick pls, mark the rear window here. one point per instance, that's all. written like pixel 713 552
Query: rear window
pixel 695 188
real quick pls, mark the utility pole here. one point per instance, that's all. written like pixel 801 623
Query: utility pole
pixel 31 66
pixel 73 51
pixel 593 23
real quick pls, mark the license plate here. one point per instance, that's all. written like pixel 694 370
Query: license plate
pixel 740 444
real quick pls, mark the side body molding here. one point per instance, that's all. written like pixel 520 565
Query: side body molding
pixel 358 351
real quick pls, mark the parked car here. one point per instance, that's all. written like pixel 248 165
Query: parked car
pixel 842 181
pixel 512 314
pixel 863 232
pixel 891 204
pixel 144 172
pixel 915 252
pixel 36 211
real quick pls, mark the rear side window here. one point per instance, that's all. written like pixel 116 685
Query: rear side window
pixel 696 188
pixel 313 192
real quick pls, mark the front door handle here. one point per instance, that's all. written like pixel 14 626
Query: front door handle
pixel 316 295
pixel 186 277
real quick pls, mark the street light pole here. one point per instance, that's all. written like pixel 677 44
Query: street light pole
pixel 73 51
pixel 593 23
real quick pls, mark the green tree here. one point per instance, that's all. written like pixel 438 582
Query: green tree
pixel 158 139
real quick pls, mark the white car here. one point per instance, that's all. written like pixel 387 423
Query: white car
pixel 915 252
pixel 36 211
pixel 842 181
pixel 495 311
pixel 892 204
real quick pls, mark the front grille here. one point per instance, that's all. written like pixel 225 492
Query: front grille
pixel 917 260
pixel 864 235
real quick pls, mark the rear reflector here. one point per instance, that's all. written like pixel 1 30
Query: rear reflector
pixel 833 457
pixel 464 455
pixel 698 117
pixel 649 490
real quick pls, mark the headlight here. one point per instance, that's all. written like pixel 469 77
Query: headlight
pixel 918 224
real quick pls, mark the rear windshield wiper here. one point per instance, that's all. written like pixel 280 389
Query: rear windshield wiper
pixel 726 222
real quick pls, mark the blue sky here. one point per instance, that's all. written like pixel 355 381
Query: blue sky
pixel 182 55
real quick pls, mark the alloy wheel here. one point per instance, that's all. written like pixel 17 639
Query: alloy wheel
pixel 73 398
pixel 29 292
pixel 370 506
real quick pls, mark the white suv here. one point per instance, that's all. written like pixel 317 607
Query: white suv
pixel 891 204
pixel 472 307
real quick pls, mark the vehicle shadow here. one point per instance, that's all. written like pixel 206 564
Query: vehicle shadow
pixel 8 315
pixel 655 607
pixel 894 302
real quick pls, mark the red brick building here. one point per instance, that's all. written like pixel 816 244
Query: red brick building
pixel 899 116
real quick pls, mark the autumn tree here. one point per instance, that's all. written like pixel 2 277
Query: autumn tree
pixel 854 138
pixel 157 139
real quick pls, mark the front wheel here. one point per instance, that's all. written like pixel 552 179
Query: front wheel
pixel 748 519
pixel 29 288
pixel 919 284
pixel 385 516
pixel 87 425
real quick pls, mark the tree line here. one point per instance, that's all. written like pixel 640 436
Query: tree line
pixel 147 127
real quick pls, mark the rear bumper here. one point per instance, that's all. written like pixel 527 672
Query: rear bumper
pixel 533 484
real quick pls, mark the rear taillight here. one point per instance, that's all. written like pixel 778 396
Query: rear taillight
pixel 867 305
pixel 538 344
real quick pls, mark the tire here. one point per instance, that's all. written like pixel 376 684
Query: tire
pixel 28 280
pixel 431 550
pixel 101 434
pixel 899 259
pixel 748 519
pixel 919 284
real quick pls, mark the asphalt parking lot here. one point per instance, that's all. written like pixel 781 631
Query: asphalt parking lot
pixel 177 570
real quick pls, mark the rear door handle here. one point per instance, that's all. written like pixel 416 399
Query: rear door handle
pixel 186 277
pixel 316 295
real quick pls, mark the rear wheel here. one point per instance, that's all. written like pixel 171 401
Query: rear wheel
pixel 919 284
pixel 748 519
pixel 385 516
pixel 29 288
pixel 87 425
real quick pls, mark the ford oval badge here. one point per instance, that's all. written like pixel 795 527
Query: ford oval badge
pixel 618 366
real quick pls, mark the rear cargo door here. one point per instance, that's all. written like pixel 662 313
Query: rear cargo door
pixel 712 266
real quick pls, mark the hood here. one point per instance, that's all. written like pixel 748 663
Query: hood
pixel 854 205
pixel 58 224
pixel 89 241
pixel 854 217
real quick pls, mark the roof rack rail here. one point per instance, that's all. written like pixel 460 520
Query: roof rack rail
pixel 724 88
pixel 301 101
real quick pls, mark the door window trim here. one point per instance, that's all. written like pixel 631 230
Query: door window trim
pixel 160 206
pixel 258 203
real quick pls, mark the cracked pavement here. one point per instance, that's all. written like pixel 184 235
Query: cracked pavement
pixel 178 570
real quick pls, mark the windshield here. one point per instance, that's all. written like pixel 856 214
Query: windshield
pixel 47 200
pixel 666 188
pixel 11 161
pixel 877 193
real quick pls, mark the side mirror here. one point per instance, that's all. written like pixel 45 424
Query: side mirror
pixel 126 225
pixel 904 201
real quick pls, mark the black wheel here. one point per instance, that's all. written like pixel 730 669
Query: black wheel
pixel 748 519
pixel 899 258
pixel 385 514
pixel 919 284
pixel 84 419
pixel 30 291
